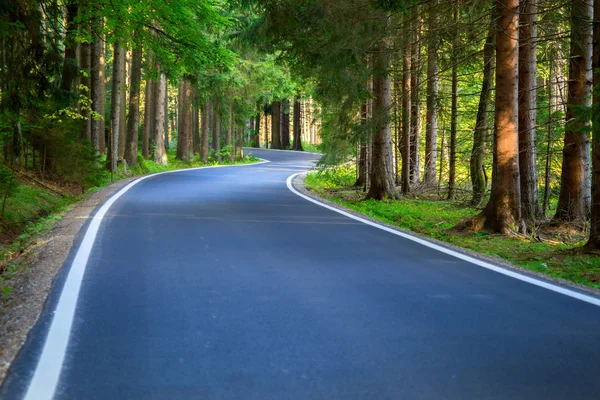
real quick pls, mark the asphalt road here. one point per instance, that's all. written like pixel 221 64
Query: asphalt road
pixel 223 284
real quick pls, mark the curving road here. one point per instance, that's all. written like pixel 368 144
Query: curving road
pixel 223 284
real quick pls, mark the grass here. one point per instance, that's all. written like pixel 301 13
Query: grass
pixel 34 210
pixel 553 255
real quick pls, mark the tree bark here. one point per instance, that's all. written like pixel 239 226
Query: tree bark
pixel 454 111
pixel 70 68
pixel 158 133
pixel 97 86
pixel 530 207
pixel 148 118
pixel 575 192
pixel 382 172
pixel 297 126
pixel 361 178
pixel 415 98
pixel 406 113
pixel 432 101
pixel 185 151
pixel 216 131
pixel 115 106
pixel 594 239
pixel 257 130
pixel 133 119
pixel 204 128
pixel 196 122
pixel 478 178
pixel 123 109
pixel 229 132
pixel 285 124
pixel 503 211
pixel 276 125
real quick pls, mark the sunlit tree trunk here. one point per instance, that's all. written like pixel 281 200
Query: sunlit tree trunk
pixel 361 177
pixel 503 211
pixel 574 198
pixel 148 118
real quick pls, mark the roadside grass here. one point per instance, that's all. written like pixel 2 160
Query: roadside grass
pixel 550 253
pixel 33 210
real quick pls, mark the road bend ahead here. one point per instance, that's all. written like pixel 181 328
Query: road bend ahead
pixel 223 284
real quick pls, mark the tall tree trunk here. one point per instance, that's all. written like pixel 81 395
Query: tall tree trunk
pixel 196 122
pixel 85 78
pixel 133 119
pixel 166 111
pixel 285 124
pixel 406 114
pixel 503 211
pixel 70 68
pixel 530 207
pixel 382 173
pixel 478 179
pixel 158 133
pixel 257 130
pixel 361 177
pixel 216 131
pixel 123 110
pixel 432 100
pixel 148 117
pixel 594 239
pixel 115 105
pixel 297 126
pixel 415 98
pixel 454 111
pixel 97 86
pixel 575 192
pixel 204 141
pixel 229 132
pixel 276 125
pixel 185 139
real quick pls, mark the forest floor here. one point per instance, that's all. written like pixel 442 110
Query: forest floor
pixel 548 251
pixel 40 225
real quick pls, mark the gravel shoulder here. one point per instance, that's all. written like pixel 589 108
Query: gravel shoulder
pixel 301 187
pixel 42 260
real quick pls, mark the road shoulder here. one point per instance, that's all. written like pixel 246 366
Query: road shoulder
pixel 46 254
pixel 300 186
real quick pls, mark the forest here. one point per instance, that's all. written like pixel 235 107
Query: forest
pixel 486 103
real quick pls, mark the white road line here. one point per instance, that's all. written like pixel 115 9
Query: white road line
pixel 472 260
pixel 47 372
